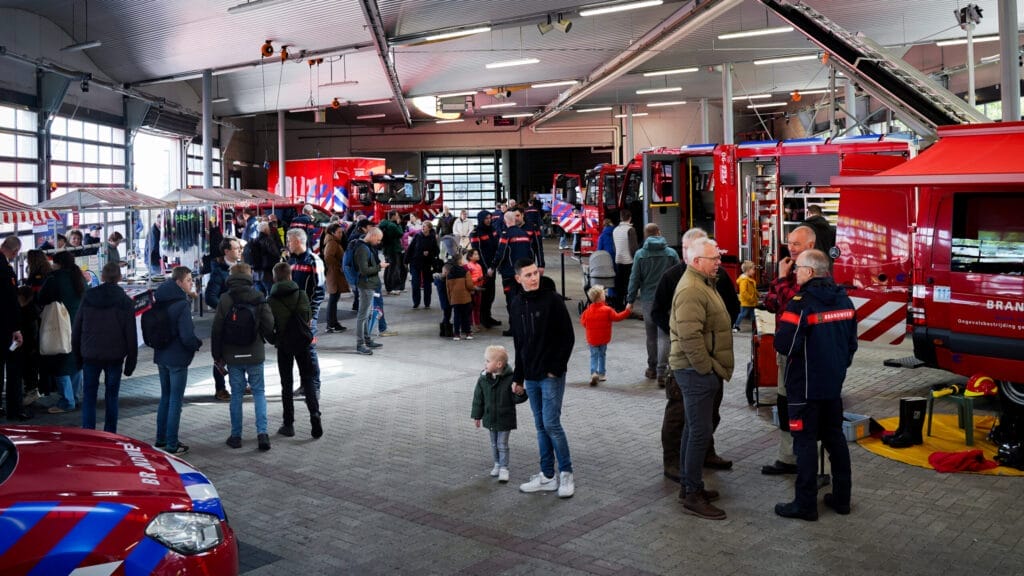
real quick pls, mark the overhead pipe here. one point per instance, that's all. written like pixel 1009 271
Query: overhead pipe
pixel 682 22
pixel 380 41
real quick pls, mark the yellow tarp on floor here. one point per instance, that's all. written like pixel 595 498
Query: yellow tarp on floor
pixel 946 437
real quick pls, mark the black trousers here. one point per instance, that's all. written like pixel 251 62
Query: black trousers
pixel 486 301
pixel 622 272
pixel 10 374
pixel 284 368
pixel 332 308
pixel 511 288
pixel 821 420
pixel 394 274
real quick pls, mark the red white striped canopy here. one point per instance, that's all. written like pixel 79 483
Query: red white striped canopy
pixel 14 212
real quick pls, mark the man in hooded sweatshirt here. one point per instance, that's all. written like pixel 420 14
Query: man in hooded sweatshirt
pixel 242 323
pixel 104 340
pixel 649 264
pixel 173 360
pixel 485 240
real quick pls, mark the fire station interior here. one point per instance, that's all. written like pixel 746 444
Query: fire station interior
pixel 898 119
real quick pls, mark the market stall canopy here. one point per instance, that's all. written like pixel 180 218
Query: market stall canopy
pixel 264 196
pixel 221 196
pixel 14 212
pixel 102 199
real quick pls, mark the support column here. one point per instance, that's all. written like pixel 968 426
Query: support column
pixel 728 132
pixel 506 174
pixel 207 128
pixel 630 142
pixel 1009 60
pixel 282 179
pixel 852 128
pixel 832 128
pixel 705 122
pixel 134 115
pixel 51 89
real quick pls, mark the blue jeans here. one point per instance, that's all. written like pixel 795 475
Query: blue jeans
pixel 70 388
pixel 239 375
pixel 442 299
pixel 597 356
pixel 699 392
pixel 376 318
pixel 111 387
pixel 168 414
pixel 745 312
pixel 363 316
pixel 546 404
pixel 499 447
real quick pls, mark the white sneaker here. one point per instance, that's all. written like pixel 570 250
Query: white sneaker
pixel 566 487
pixel 495 470
pixel 503 475
pixel 539 483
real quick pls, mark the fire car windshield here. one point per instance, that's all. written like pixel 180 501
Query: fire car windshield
pixel 398 192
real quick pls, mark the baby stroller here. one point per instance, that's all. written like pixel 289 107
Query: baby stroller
pixel 600 269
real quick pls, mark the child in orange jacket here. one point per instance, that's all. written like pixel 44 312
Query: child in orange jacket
pixel 597 320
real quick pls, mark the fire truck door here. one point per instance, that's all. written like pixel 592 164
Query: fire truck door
pixel 663 179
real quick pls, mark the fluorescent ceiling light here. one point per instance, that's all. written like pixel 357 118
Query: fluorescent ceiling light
pixel 374 102
pixel 557 83
pixel 609 8
pixel 219 100
pixel 85 45
pixel 458 33
pixel 751 33
pixel 752 97
pixel 810 92
pixel 502 105
pixel 767 105
pixel 370 116
pixel 339 83
pixel 449 121
pixel 635 114
pixel 305 109
pixel 666 103
pixel 598 109
pixel 520 115
pixel 672 71
pixel 990 59
pixel 660 90
pixel 252 5
pixel 509 63
pixel 454 94
pixel 785 59
pixel 958 41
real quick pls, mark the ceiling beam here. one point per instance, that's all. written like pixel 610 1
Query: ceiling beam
pixel 682 22
pixel 380 40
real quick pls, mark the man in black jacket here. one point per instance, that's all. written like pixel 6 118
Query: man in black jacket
pixel 675 413
pixel 9 333
pixel 485 239
pixel 104 339
pixel 818 336
pixel 543 336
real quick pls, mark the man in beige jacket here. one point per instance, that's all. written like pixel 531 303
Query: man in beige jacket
pixel 701 358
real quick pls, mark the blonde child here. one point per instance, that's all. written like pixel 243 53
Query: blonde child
pixel 597 319
pixel 494 405
pixel 747 292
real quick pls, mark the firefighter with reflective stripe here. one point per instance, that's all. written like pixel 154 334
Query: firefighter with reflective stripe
pixel 306 273
pixel 818 335
pixel 514 244
pixel 485 240
pixel 533 218
pixel 306 223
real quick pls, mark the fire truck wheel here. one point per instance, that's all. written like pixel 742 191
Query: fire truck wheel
pixel 1013 395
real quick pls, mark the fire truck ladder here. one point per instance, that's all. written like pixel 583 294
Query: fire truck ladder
pixel 920 102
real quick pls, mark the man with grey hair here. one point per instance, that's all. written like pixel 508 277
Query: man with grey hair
pixel 306 223
pixel 675 414
pixel 369 266
pixel 818 335
pixel 306 272
pixel 649 264
pixel 701 357
pixel 10 311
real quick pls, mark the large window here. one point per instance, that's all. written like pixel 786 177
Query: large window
pixel 85 155
pixel 194 166
pixel 470 181
pixel 988 235
pixel 19 170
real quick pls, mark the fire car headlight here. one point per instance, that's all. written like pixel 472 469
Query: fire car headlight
pixel 186 532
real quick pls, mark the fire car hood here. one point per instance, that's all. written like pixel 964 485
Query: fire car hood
pixel 63 463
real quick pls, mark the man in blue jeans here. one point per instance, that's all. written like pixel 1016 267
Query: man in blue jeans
pixel 369 267
pixel 173 360
pixel 543 336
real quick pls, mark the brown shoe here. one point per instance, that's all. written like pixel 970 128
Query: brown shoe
pixel 696 504
pixel 672 473
pixel 650 374
pixel 223 395
pixel 594 378
pixel 709 495
pixel 661 381
pixel 717 462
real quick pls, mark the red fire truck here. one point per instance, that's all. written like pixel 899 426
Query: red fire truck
pixel 603 189
pixel 348 185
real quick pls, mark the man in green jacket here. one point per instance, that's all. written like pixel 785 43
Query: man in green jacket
pixel 287 299
pixel 649 264
pixel 392 245
pixel 369 266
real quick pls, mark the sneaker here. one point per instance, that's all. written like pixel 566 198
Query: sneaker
pixel 318 427
pixel 456 338
pixel 602 377
pixel 387 333
pixel 495 470
pixel 503 475
pixel 539 483
pixel 467 337
pixel 594 379
pixel 696 504
pixel 234 442
pixel 223 395
pixel 364 350
pixel 372 344
pixel 286 430
pixel 566 486
pixel 264 442
pixel 177 451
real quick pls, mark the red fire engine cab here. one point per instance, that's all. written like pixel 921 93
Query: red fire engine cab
pixel 603 189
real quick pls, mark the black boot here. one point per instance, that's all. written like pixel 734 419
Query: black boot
pixel 909 433
pixel 447 330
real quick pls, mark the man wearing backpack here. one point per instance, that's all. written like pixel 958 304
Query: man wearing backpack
pixel 231 252
pixel 290 307
pixel 172 353
pixel 242 323
pixel 306 274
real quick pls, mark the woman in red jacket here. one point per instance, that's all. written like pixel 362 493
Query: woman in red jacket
pixel 597 320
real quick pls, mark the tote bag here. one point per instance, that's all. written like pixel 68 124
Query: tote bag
pixel 55 330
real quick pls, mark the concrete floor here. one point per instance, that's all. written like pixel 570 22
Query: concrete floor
pixel 399 483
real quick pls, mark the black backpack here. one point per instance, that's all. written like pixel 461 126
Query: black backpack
pixel 240 325
pixel 296 336
pixel 157 330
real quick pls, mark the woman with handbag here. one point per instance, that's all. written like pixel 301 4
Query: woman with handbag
pixel 64 286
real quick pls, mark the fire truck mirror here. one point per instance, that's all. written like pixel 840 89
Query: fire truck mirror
pixel 834 253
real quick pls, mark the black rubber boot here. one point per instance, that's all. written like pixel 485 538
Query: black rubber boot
pixel 911 428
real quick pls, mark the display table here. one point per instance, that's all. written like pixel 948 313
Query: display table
pixel 142 298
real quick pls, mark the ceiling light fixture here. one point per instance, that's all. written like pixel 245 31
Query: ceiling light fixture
pixel 635 114
pixel 370 116
pixel 784 59
pixel 752 33
pixel 563 24
pixel 510 63
pixel 304 109
pixel 220 99
pixel 666 103
pixel 455 121
pixel 751 97
pixel 374 102
pixel 546 26
pixel 660 90
pixel 597 109
pixel 810 92
pixel 253 5
pixel 454 94
pixel 458 33
pixel 520 115
pixel 556 83
pixel 672 71
pixel 959 41
pixel 767 105
pixel 502 105
pixel 597 10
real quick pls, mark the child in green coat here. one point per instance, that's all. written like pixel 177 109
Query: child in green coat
pixel 494 404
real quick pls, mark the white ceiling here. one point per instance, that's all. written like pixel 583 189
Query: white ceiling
pixel 145 40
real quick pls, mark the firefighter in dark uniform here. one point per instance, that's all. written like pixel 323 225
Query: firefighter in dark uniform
pixel 514 244
pixel 818 335
pixel 533 219
pixel 304 273
pixel 306 223
pixel 485 240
